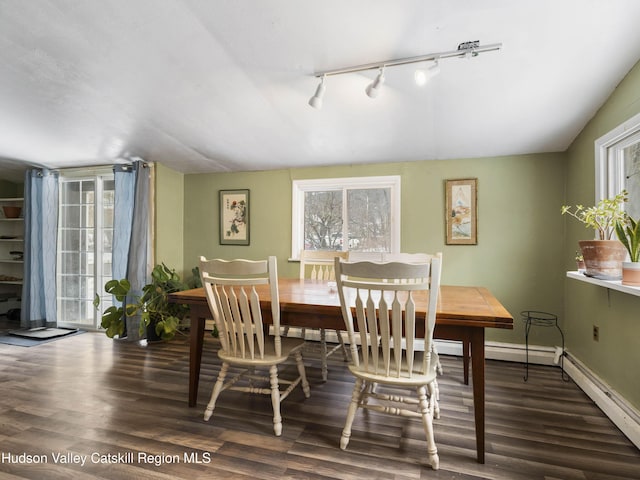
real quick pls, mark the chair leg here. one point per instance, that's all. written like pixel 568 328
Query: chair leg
pixel 438 365
pixel 351 413
pixel 323 354
pixel 434 395
pixel 275 400
pixel 217 388
pixel 345 354
pixel 303 375
pixel 427 423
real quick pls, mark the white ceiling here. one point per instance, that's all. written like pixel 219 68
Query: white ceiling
pixel 223 85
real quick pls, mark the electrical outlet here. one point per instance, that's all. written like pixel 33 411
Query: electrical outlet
pixel 596 333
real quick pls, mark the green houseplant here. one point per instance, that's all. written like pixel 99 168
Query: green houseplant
pixel 158 317
pixel 628 232
pixel 603 256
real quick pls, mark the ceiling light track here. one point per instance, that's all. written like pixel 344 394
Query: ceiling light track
pixel 465 50
pixel 467 47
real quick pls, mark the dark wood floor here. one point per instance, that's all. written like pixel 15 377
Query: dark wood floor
pixel 89 395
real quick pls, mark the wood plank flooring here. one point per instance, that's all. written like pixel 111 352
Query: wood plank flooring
pixel 124 407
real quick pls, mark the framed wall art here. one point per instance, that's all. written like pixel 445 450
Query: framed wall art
pixel 234 217
pixel 461 212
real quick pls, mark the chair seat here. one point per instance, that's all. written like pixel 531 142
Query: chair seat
pixel 417 378
pixel 289 346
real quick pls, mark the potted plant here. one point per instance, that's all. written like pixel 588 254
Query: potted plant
pixel 603 256
pixel 158 318
pixel 628 232
pixel 580 262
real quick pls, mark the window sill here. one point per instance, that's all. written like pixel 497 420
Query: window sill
pixel 612 284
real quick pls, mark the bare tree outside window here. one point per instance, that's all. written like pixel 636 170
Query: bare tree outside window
pixel 368 228
pixel 369 212
pixel 323 220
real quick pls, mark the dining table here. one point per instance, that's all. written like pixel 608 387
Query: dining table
pixel 463 314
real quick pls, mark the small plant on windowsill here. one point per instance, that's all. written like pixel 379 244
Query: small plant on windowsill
pixel 602 217
pixel 604 256
pixel 628 232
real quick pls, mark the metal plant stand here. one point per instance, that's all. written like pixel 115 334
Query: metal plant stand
pixel 541 319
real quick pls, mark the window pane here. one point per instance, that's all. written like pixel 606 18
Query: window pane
pixel 70 193
pixel 87 216
pixel 323 220
pixel 69 262
pixel 631 155
pixel 369 213
pixel 88 192
pixel 70 286
pixel 70 240
pixel 70 217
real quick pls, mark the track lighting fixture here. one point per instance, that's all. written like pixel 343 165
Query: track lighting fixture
pixel 316 100
pixel 465 50
pixel 373 90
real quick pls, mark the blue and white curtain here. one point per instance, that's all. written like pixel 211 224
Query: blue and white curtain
pixel 40 233
pixel 131 239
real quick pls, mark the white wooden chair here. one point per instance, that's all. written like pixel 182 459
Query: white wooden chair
pixel 385 326
pixel 244 339
pixel 319 265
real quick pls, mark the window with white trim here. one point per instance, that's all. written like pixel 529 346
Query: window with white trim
pixel 355 214
pixel 618 164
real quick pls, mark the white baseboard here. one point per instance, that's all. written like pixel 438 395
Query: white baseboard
pixel 614 406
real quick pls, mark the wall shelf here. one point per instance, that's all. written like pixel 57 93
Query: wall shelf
pixel 11 239
pixel 612 284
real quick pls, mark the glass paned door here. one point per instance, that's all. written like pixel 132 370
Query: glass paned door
pixel 84 255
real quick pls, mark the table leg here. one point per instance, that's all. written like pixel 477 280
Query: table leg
pixel 198 316
pixel 465 360
pixel 477 370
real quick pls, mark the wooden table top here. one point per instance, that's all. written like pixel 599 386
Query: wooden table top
pixel 458 305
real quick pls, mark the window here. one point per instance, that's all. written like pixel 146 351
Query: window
pixel 85 233
pixel 356 214
pixel 618 164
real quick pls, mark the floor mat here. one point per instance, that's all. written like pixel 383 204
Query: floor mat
pixel 25 338
pixel 42 332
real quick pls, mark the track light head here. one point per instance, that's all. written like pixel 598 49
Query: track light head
pixel 373 90
pixel 316 100
pixel 422 76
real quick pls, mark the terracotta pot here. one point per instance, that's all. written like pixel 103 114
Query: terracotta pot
pixel 631 274
pixel 11 212
pixel 603 258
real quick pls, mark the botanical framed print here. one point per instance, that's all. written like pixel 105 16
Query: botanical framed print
pixel 461 212
pixel 234 217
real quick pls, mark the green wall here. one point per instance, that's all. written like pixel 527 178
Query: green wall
pixel 169 218
pixel 519 226
pixel 615 357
